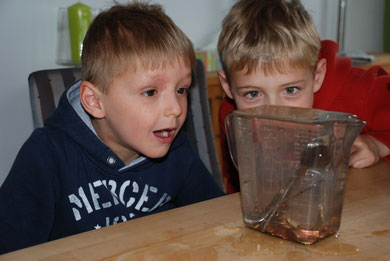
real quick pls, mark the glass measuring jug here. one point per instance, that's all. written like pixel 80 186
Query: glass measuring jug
pixel 292 164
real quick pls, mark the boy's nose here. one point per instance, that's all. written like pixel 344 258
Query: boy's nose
pixel 271 100
pixel 173 107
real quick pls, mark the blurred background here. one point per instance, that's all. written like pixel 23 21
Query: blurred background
pixel 30 41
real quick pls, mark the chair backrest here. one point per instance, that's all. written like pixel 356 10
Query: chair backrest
pixel 198 124
pixel 47 86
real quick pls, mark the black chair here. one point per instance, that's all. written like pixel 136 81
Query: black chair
pixel 46 87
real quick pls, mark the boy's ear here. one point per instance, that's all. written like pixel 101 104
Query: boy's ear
pixel 90 98
pixel 319 75
pixel 224 83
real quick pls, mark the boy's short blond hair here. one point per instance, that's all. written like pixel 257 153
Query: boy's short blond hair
pixel 125 36
pixel 271 33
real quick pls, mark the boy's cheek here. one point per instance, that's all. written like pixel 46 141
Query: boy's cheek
pixel 241 104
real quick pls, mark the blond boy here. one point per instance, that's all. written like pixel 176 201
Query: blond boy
pixel 271 54
pixel 113 150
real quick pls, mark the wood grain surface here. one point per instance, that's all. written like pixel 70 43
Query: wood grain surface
pixel 213 230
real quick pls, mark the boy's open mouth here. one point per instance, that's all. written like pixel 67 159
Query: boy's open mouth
pixel 164 133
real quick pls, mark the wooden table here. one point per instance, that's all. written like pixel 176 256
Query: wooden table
pixel 213 230
pixel 382 59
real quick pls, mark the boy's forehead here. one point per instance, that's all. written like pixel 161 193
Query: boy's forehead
pixel 146 68
pixel 161 63
pixel 269 64
pixel 272 68
pixel 245 77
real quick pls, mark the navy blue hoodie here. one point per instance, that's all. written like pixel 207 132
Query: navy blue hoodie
pixel 65 180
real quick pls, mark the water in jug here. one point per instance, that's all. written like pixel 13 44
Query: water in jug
pixel 292 164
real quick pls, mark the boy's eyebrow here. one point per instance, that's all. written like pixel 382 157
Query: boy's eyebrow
pixel 291 83
pixel 247 87
pixel 187 76
pixel 283 85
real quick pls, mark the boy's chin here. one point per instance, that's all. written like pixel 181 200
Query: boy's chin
pixel 157 154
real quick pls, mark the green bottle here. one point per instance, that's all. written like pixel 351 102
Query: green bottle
pixel 80 17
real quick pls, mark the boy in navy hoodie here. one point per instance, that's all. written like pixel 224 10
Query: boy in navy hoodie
pixel 112 151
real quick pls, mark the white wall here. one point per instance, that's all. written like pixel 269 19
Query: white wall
pixel 325 16
pixel 28 33
pixel 364 25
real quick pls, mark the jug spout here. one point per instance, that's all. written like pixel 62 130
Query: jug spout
pixel 345 133
pixel 352 132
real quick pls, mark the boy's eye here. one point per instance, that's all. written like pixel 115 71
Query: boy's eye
pixel 149 92
pixel 252 94
pixel 182 90
pixel 291 90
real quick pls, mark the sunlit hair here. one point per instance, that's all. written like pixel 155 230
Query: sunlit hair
pixel 272 34
pixel 126 36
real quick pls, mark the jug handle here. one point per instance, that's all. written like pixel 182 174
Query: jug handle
pixel 230 138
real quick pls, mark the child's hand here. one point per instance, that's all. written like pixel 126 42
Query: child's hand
pixel 367 151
